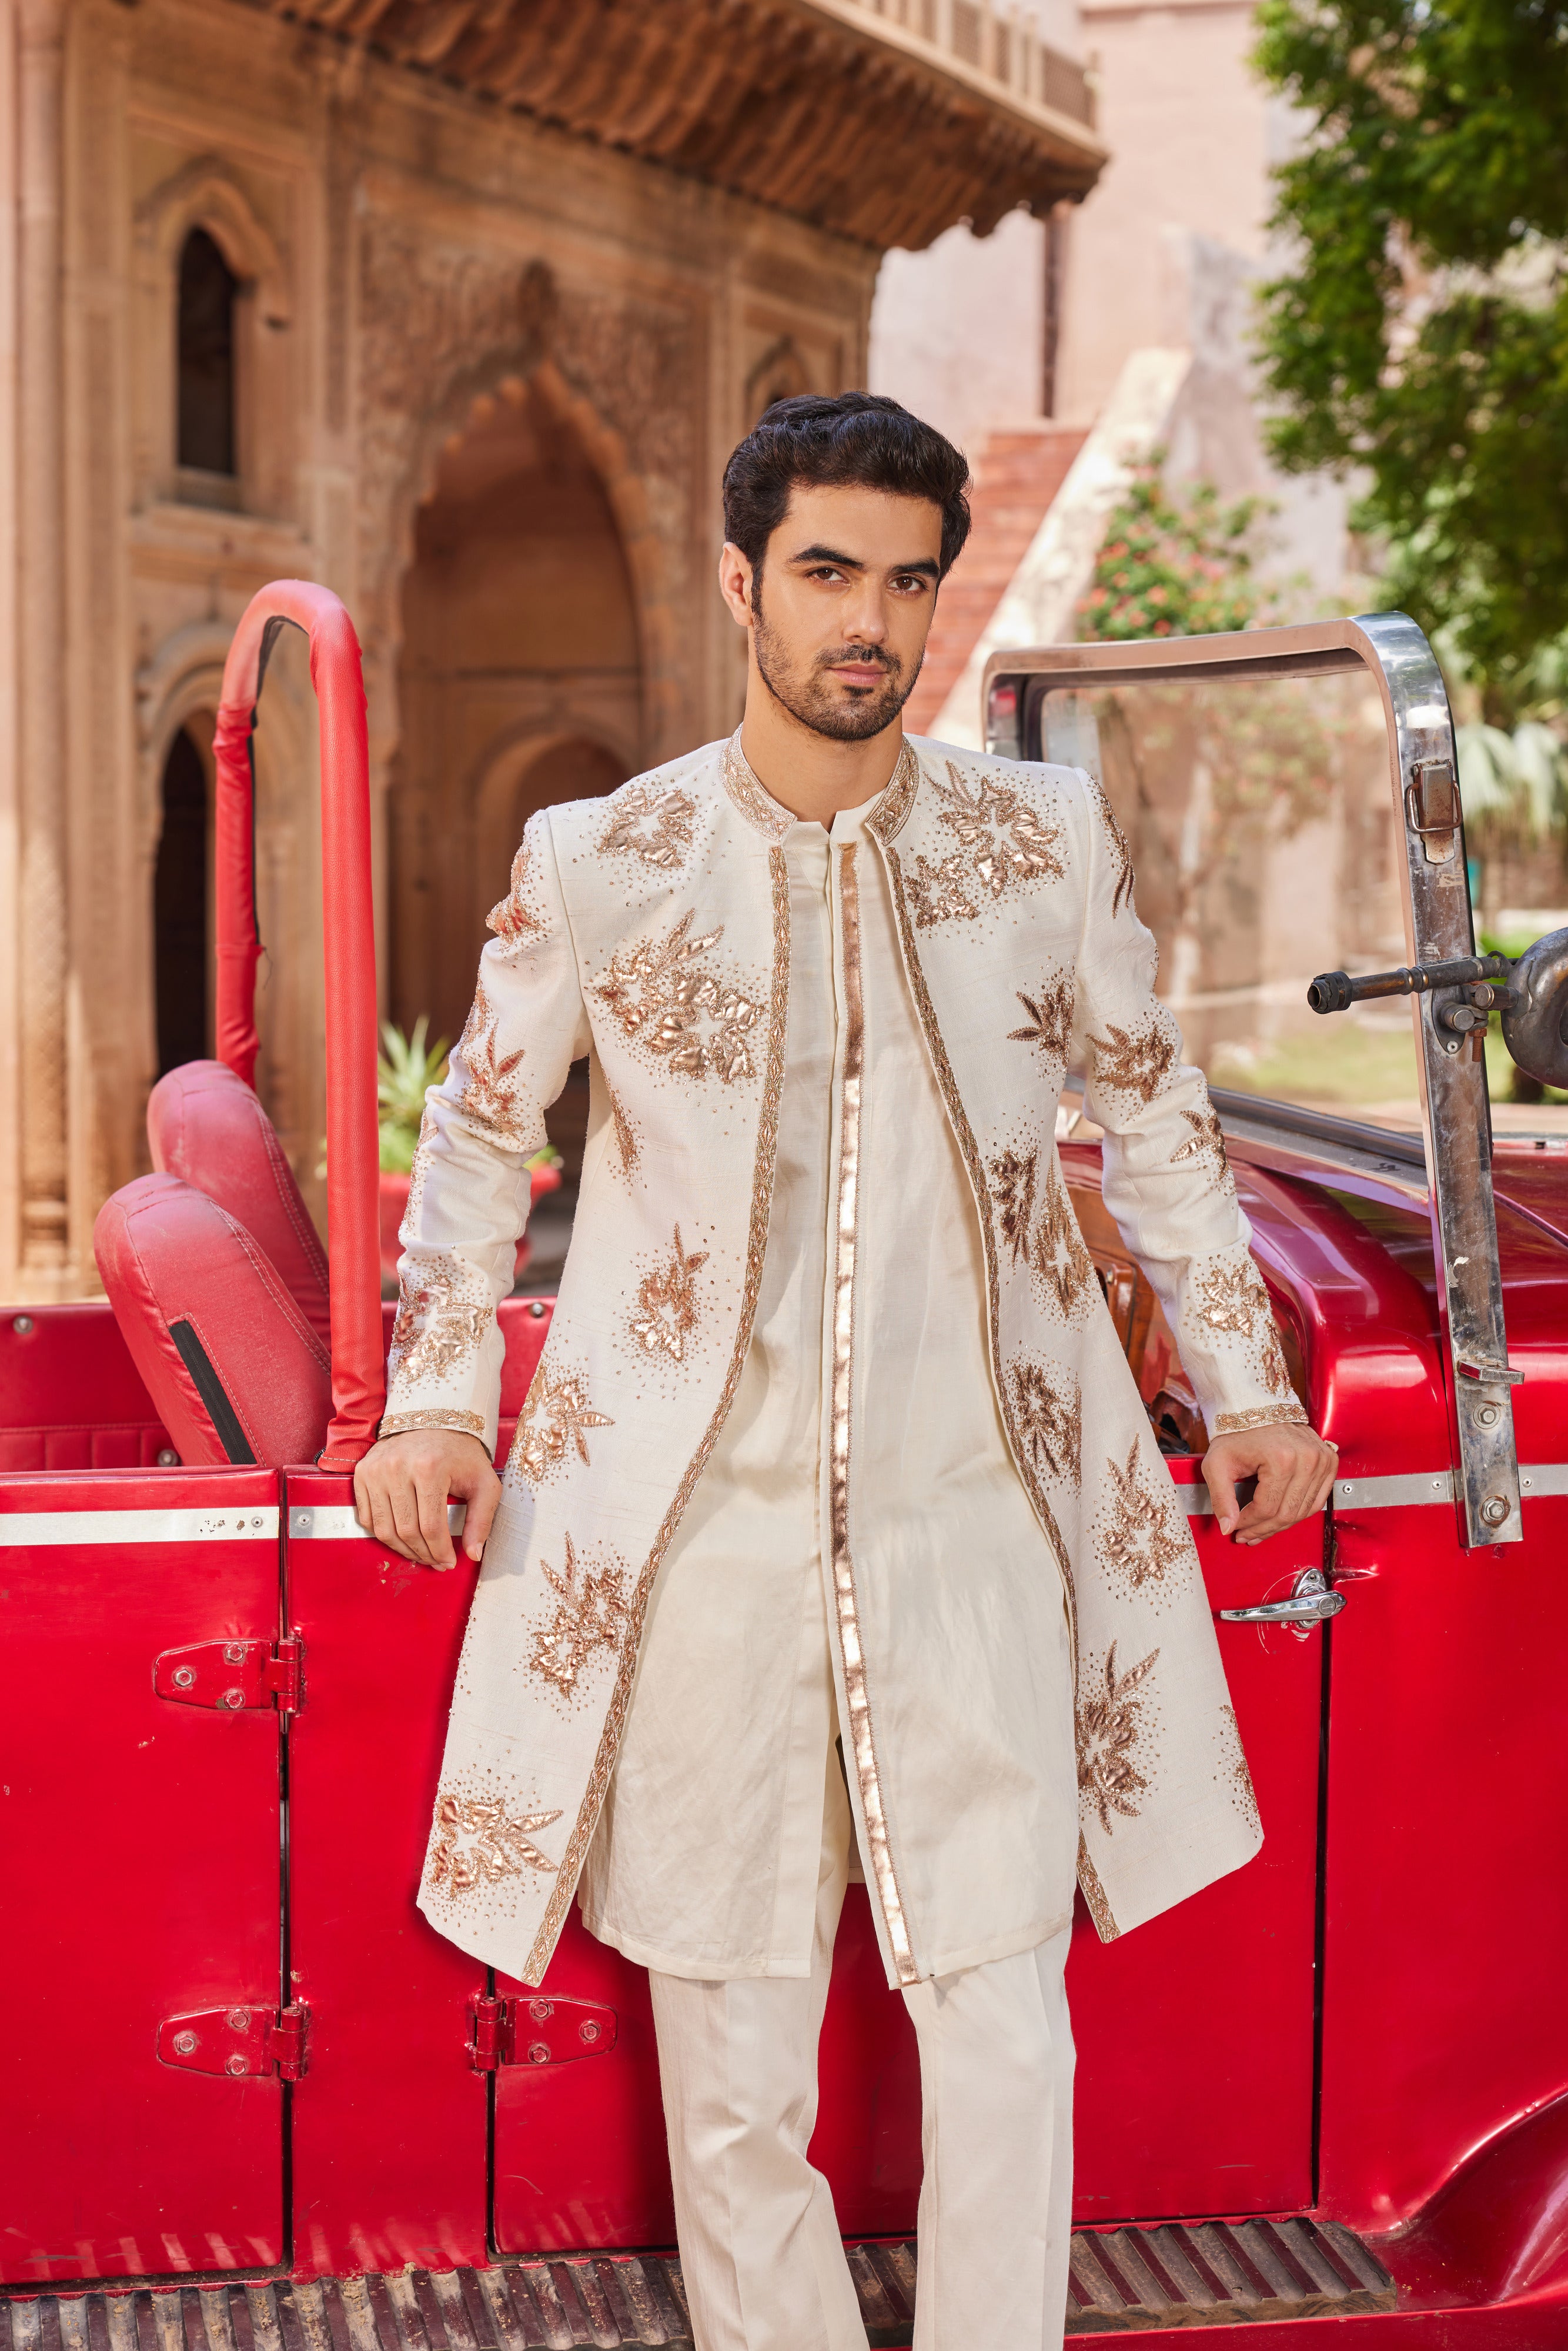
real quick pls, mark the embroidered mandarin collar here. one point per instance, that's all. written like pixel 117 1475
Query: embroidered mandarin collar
pixel 759 807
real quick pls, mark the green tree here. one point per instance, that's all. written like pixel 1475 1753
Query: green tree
pixel 1422 330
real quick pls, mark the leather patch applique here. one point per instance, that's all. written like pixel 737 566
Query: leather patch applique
pixel 654 827
pixel 1050 1427
pixel 676 1010
pixel 665 1320
pixel 1137 1537
pixel 490 1098
pixel 518 919
pixel 444 1311
pixel 590 1614
pixel 479 1841
pixel 1137 1061
pixel 1049 1022
pixel 1207 1141
pixel 553 1425
pixel 1114 1761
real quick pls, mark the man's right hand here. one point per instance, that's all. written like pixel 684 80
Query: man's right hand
pixel 402 1485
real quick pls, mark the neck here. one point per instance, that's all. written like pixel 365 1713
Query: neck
pixel 814 776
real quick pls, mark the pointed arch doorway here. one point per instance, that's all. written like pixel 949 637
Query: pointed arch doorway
pixel 520 683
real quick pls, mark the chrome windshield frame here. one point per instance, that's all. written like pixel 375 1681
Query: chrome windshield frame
pixel 1456 1109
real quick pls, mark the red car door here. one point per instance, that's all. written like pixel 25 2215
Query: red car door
pixel 143 2097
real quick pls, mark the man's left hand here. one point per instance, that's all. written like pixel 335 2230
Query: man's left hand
pixel 1294 1470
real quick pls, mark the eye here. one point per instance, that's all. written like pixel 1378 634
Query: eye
pixel 825 571
pixel 912 583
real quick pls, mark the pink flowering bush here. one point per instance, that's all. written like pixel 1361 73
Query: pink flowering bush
pixel 1174 565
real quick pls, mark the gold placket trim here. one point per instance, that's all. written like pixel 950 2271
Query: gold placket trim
pixel 845 1602
pixel 577 1843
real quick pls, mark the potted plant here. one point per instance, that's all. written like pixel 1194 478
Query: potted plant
pixel 407 1067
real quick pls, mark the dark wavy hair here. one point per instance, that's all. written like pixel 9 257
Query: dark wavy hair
pixel 847 437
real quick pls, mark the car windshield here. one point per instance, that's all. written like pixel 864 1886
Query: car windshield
pixel 1268 848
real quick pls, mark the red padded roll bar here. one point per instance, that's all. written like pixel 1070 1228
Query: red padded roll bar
pixel 353 1157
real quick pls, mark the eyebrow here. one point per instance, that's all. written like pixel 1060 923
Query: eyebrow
pixel 925 563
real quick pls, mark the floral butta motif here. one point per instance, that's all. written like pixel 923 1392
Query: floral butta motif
pixel 665 1320
pixel 553 1425
pixel 627 1143
pixel 491 1097
pixel 1234 1298
pixel 1004 844
pixel 1207 1141
pixel 478 1841
pixel 1122 895
pixel 1013 1176
pixel 1137 1538
pixel 436 1328
pixel 515 921
pixel 1050 1425
pixel 1050 1021
pixel 674 1008
pixel 1063 1266
pixel 1234 1774
pixel 653 826
pixel 1136 1060
pixel 590 1613
pixel 1113 1763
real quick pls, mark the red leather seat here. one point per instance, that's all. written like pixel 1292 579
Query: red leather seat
pixel 205 1124
pixel 233 1366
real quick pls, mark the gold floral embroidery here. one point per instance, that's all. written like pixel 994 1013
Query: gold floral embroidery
pixel 654 826
pixel 666 1315
pixel 669 1004
pixel 490 1098
pixel 1094 1898
pixel 1267 1416
pixel 1004 839
pixel 1231 1297
pixel 1234 1774
pixel 514 920
pixel 480 1842
pixel 1273 1368
pixel 1064 1266
pixel 1012 1188
pixel 1123 893
pixel 590 1613
pixel 1207 1141
pixel 1139 1543
pixel 1136 1061
pixel 750 795
pixel 1050 1428
pixel 1112 1740
pixel 938 892
pixel 467 1424
pixel 436 1327
pixel 627 1144
pixel 1050 1023
pixel 553 1423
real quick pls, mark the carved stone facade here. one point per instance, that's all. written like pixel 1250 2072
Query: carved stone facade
pixel 485 372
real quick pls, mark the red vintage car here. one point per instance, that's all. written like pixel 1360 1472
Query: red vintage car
pixel 253 2102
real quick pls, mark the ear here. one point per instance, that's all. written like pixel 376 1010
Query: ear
pixel 735 583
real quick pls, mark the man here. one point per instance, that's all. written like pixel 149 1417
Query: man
pixel 833 1478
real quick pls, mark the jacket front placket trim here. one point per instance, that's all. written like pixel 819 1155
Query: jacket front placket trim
pixel 846 1605
pixel 570 1868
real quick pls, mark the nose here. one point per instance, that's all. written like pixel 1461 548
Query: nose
pixel 866 621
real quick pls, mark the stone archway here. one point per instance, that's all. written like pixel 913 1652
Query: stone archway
pixel 520 680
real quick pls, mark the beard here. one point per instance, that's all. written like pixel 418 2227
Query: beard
pixel 823 703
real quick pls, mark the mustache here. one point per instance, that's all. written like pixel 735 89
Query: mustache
pixel 864 655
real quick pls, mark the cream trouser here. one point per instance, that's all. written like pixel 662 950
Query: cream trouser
pixel 760 2252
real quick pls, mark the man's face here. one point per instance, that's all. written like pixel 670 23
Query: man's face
pixel 840 614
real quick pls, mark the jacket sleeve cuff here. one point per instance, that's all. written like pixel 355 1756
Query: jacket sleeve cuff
pixel 1264 1415
pixel 467 1424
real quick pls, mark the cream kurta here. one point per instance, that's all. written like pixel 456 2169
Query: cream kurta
pixel 656 932
pixel 706 1859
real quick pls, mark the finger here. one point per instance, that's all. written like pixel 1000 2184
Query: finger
pixel 362 1498
pixel 429 1498
pixel 482 1501
pixel 382 1525
pixel 404 1497
pixel 1222 1494
pixel 1261 1515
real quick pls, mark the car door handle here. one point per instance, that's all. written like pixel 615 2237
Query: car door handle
pixel 1310 1602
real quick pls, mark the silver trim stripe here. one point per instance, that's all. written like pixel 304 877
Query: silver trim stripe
pixel 30 1529
pixel 336 1523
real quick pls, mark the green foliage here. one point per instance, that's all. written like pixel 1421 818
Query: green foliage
pixel 406 1066
pixel 1423 332
pixel 1175 568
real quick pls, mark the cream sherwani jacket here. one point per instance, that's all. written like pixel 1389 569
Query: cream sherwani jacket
pixel 651 932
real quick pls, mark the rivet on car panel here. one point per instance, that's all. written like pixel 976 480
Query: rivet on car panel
pixel 589 2032
pixel 184 2043
pixel 538 2053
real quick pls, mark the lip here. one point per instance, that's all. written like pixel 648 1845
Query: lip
pixel 860 673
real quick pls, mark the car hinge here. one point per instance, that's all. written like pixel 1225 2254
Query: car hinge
pixel 234 1675
pixel 543 2029
pixel 240 2041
